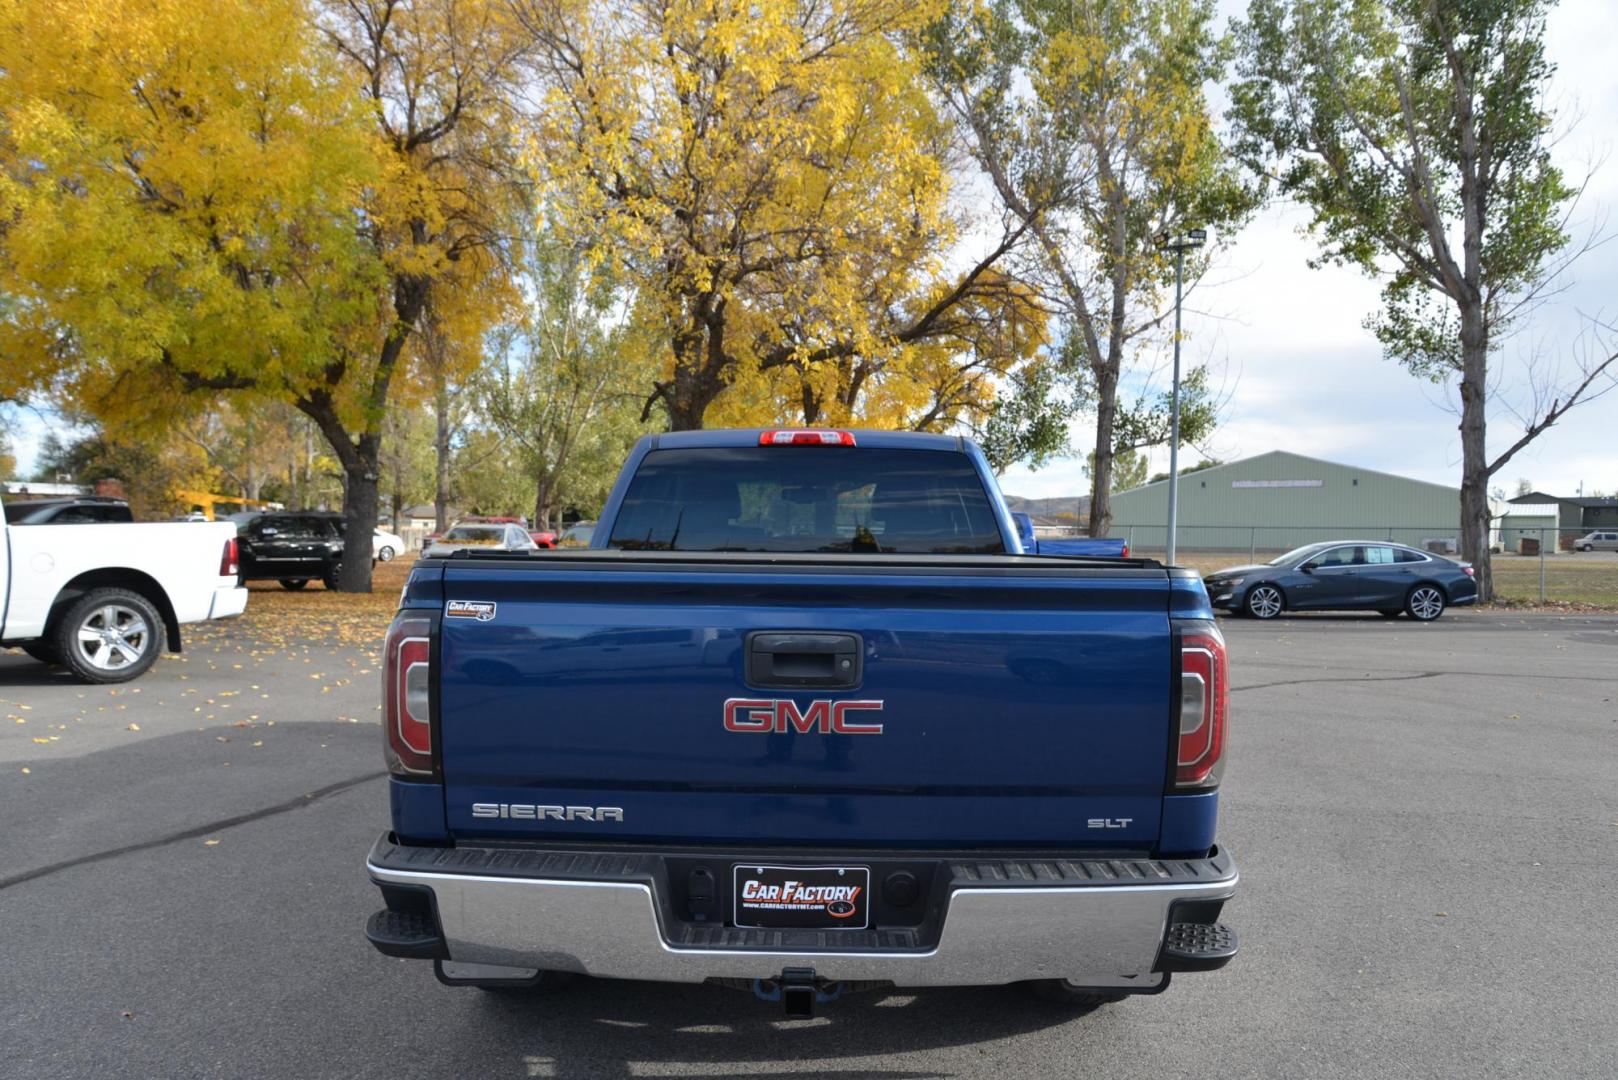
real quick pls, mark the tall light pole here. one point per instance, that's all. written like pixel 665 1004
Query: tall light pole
pixel 1180 244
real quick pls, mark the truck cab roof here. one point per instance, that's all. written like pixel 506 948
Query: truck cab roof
pixel 735 437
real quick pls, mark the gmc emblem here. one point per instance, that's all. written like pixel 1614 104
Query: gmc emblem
pixel 781 715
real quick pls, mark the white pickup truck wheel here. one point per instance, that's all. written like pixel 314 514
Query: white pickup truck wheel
pixel 109 635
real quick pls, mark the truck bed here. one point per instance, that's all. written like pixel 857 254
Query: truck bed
pixel 1016 697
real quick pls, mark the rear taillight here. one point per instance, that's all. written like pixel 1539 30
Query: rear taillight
pixel 1204 702
pixel 1468 570
pixel 1126 550
pixel 407 700
pixel 229 565
pixel 806 438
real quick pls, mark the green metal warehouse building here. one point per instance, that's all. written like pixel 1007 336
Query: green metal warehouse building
pixel 1277 501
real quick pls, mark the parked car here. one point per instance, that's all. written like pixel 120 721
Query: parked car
pixel 1598 541
pixel 1346 575
pixel 385 545
pixel 498 537
pixel 577 534
pixel 79 510
pixel 543 538
pixel 292 547
pixel 105 602
pixel 810 725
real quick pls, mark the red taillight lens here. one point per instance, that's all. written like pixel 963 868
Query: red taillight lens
pixel 1126 549
pixel 1469 571
pixel 229 564
pixel 407 701
pixel 806 438
pixel 1204 701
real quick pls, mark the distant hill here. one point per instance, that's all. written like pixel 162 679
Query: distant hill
pixel 1062 510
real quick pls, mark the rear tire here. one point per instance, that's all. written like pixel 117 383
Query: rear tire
pixel 1064 992
pixel 109 636
pixel 1264 601
pixel 43 651
pixel 294 583
pixel 1425 603
pixel 385 553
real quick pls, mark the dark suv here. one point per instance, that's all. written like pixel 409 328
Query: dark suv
pixel 292 547
pixel 79 510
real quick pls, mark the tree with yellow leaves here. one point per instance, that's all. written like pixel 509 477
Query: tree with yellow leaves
pixel 771 175
pixel 251 196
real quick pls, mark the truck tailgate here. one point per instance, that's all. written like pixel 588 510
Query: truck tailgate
pixel 1016 701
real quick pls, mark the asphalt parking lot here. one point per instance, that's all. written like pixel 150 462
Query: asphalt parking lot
pixel 1425 817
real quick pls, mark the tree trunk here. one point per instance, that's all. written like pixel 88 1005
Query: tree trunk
pixel 542 501
pixel 441 462
pixel 811 405
pixel 359 512
pixel 255 480
pixel 308 466
pixel 359 459
pixel 686 408
pixel 1475 517
pixel 699 358
pixel 1101 471
pixel 1107 369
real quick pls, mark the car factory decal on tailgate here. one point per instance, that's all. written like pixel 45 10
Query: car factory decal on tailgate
pixel 803 896
pixel 481 610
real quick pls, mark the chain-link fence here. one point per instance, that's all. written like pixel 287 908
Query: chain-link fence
pixel 1533 563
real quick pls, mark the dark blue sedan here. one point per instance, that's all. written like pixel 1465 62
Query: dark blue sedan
pixel 1346 574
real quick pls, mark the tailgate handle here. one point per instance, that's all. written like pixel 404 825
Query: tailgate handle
pixel 784 660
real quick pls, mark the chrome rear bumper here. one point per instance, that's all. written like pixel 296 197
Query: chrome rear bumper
pixel 1101 929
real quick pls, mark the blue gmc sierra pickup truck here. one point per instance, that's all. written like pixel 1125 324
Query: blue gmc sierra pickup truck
pixel 805 720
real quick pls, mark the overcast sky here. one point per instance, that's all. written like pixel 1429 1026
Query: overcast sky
pixel 1302 374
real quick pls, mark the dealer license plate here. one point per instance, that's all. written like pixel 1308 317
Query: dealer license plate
pixel 803 897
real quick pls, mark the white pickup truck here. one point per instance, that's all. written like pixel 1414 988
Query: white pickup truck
pixel 105 599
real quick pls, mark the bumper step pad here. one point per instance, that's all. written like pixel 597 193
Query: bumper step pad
pixel 1197 947
pixel 406 934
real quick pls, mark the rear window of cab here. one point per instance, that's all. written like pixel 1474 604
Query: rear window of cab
pixel 807 500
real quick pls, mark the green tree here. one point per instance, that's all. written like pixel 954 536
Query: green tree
pixel 1206 463
pixel 1090 119
pixel 1419 135
pixel 1028 420
pixel 151 469
pixel 561 384
pixel 406 458
pixel 1128 469
pixel 243 442
pixel 486 476
pixel 8 457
